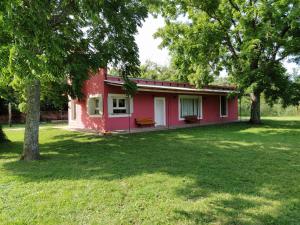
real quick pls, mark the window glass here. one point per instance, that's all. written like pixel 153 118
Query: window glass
pixel 119 111
pixel 121 102
pixel 189 106
pixel 223 105
pixel 97 103
pixel 95 106
pixel 120 105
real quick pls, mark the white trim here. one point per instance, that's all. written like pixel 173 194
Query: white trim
pixel 119 115
pixel 120 83
pixel 95 96
pixel 177 92
pixel 164 100
pixel 220 97
pixel 110 97
pixel 192 97
pixel 73 110
pixel 95 116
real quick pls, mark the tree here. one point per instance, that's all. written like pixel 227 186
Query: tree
pixel 152 70
pixel 7 93
pixel 49 40
pixel 250 39
pixel 3 137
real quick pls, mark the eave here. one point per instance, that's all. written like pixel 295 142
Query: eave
pixel 172 89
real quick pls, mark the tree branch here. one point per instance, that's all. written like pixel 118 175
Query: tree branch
pixel 277 47
pixel 281 58
pixel 234 5
pixel 228 41
pixel 230 46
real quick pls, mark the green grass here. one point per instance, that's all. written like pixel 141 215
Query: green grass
pixel 227 174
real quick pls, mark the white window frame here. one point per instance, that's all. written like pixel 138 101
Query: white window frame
pixel 111 108
pixel 200 116
pixel 73 110
pixel 220 99
pixel 96 96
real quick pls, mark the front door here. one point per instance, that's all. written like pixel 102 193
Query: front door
pixel 160 111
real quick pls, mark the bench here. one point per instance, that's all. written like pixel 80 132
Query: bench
pixel 191 119
pixel 144 122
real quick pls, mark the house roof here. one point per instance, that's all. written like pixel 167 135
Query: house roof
pixel 173 87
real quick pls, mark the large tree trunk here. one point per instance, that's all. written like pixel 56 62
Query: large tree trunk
pixel 255 108
pixel 9 114
pixel 31 137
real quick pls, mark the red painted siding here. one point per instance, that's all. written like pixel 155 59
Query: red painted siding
pixel 143 106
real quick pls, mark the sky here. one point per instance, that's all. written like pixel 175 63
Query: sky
pixel 148 45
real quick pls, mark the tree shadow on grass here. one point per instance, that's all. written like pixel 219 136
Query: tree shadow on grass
pixel 244 177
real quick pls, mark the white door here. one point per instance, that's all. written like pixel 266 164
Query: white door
pixel 160 111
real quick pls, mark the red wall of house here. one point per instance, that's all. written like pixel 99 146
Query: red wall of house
pixel 95 85
pixel 143 106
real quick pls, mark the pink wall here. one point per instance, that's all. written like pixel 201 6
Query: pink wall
pixel 95 85
pixel 143 106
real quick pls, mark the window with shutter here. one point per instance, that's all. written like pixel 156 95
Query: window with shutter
pixel 95 105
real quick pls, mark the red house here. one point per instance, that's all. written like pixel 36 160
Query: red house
pixel 156 103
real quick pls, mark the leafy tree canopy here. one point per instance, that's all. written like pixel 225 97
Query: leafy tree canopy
pixel 152 70
pixel 48 40
pixel 248 38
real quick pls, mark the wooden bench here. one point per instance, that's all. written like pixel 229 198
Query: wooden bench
pixel 191 119
pixel 141 122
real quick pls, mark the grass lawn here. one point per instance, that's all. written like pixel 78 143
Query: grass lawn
pixel 226 174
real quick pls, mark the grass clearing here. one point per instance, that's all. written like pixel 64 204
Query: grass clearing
pixel 223 174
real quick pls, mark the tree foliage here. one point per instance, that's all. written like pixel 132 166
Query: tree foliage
pixel 249 39
pixel 152 70
pixel 53 39
pixel 49 41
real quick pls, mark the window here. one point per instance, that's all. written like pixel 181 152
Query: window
pixel 190 106
pixel 119 105
pixel 73 110
pixel 223 106
pixel 95 105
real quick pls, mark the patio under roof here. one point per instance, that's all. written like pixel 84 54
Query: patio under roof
pixel 173 89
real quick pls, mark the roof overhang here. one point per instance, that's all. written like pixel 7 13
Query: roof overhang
pixel 172 89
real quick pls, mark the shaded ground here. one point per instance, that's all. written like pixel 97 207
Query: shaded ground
pixel 226 174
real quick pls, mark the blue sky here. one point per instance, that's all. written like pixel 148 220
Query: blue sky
pixel 148 46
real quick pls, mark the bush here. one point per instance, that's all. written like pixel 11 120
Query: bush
pixel 266 110
pixel 3 137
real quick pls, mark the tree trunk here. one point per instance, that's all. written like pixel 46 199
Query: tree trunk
pixel 9 114
pixel 3 137
pixel 31 137
pixel 255 108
